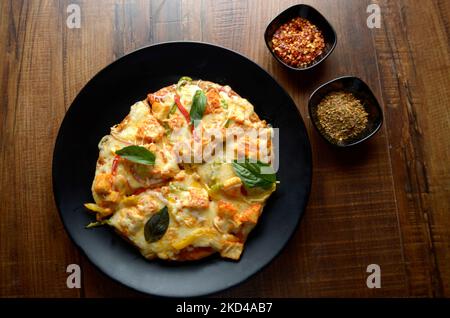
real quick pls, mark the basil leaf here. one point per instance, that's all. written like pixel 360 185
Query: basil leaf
pixel 137 154
pixel 198 106
pixel 251 176
pixel 157 225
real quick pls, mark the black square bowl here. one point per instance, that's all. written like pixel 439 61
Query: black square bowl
pixel 316 18
pixel 361 91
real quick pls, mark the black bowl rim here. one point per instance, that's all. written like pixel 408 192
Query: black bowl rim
pixel 56 196
pixel 377 105
pixel 333 46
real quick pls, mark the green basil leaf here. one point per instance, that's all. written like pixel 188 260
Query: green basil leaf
pixel 137 154
pixel 251 176
pixel 157 225
pixel 198 106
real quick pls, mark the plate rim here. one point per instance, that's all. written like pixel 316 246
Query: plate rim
pixel 56 195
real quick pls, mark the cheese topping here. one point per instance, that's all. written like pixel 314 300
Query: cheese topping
pixel 210 209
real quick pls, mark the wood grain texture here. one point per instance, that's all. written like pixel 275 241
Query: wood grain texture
pixel 413 60
pixel 385 202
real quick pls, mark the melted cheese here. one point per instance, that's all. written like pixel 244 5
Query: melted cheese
pixel 206 205
pixel 187 93
pixel 140 126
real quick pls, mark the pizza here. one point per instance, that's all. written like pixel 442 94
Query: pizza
pixel 185 175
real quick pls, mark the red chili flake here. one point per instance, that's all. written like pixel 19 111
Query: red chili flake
pixel 298 42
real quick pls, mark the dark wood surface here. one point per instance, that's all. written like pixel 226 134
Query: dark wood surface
pixel 386 202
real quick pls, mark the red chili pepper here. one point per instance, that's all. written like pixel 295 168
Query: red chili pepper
pixel 182 109
pixel 115 164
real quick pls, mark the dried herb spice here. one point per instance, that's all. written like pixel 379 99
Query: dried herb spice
pixel 298 42
pixel 341 115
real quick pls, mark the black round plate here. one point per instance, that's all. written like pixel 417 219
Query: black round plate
pixel 106 100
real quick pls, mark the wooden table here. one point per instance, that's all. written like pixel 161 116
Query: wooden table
pixel 385 203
